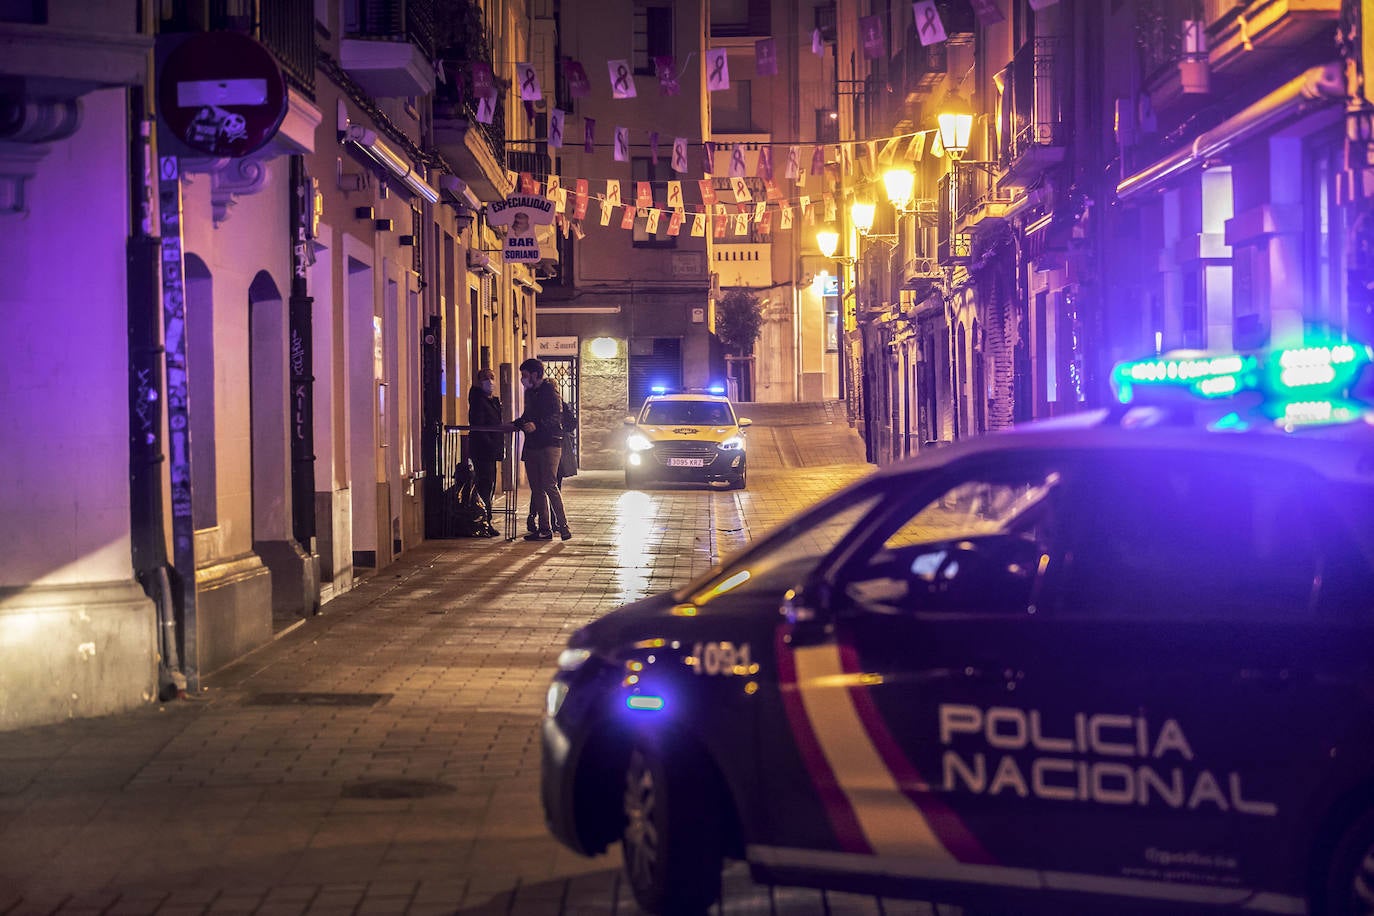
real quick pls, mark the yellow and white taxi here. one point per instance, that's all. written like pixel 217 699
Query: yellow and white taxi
pixel 686 437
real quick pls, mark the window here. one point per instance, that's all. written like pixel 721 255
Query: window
pixel 731 109
pixel 653 35
pixel 657 176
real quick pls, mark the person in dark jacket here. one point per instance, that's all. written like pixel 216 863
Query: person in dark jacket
pixel 485 447
pixel 542 423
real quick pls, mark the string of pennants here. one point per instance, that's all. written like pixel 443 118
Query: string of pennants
pixel 569 199
pixel 930 29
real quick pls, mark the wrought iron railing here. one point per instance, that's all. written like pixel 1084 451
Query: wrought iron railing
pixel 462 41
pixel 285 27
pixel 396 20
pixel 1159 33
pixel 1040 96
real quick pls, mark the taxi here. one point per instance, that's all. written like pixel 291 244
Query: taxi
pixel 692 436
pixel 1122 660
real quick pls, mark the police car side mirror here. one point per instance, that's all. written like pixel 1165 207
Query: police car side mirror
pixel 629 421
pixel 745 421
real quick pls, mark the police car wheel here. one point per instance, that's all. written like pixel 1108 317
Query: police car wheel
pixel 1350 880
pixel 672 842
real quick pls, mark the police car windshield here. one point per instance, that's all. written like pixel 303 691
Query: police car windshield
pixel 696 413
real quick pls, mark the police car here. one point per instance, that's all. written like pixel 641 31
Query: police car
pixel 685 437
pixel 1117 660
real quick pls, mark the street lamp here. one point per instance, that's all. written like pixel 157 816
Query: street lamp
pixel 956 125
pixel 900 185
pixel 828 241
pixel 862 212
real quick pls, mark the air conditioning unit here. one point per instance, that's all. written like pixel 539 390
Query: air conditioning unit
pixel 480 261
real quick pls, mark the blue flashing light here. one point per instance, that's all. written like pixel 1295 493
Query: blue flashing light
pixel 659 389
pixel 640 701
pixel 716 389
pixel 1301 386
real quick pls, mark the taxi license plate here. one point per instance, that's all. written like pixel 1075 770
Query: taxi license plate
pixel 686 462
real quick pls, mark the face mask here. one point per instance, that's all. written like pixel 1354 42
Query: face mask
pixel 527 383
pixel 485 385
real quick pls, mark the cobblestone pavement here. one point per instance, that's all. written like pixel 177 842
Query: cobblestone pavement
pixel 383 756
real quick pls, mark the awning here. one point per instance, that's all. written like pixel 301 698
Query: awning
pixel 1314 88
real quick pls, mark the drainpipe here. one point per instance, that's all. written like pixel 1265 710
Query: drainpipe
pixel 148 536
pixel 1313 88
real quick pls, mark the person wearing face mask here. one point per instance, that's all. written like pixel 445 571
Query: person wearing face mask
pixel 488 446
pixel 542 423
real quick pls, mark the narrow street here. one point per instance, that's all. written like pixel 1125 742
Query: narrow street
pixel 383 756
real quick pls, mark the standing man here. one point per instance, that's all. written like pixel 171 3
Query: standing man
pixel 486 447
pixel 542 423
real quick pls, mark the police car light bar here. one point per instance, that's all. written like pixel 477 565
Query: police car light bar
pixel 1300 386
pixel 639 701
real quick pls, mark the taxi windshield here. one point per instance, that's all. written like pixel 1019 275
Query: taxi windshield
pixel 697 413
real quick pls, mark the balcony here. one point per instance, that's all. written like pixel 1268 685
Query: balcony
pixel 388 46
pixel 951 247
pixel 477 150
pixel 975 195
pixel 286 28
pixel 1247 38
pixel 752 143
pixel 1039 101
pixel 748 264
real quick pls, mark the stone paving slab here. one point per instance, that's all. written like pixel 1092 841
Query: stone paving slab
pixel 383 757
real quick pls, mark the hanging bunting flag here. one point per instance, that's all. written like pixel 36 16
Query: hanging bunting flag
pixel 528 185
pixel 766 57
pixel 737 161
pixel 606 210
pixel 651 221
pixel 708 158
pixel 486 108
pixel 801 178
pixel 809 216
pixel 579 87
pixel 556 117
pixel 785 218
pixel 987 12
pixel 622 144
pixel 760 208
pixel 741 224
pixel 622 83
pixel 929 28
pixel 589 140
pixel 818 161
pixel 644 194
pixel 764 224
pixel 483 81
pixel 560 200
pixel 804 202
pixel 580 198
pixel 613 192
pixel 674 222
pixel 666 68
pixel 830 211
pixel 512 177
pixel 741 188
pixel 844 156
pixel 675 195
pixel 699 224
pixel 764 167
pixel 554 184
pixel 529 82
pixel 627 219
pixel 708 191
pixel 680 155
pixel 562 224
pixel 889 151
pixel 817 46
pixel 717 69
pixel 937 147
pixel 578 230
pixel 719 223
pixel 916 150
pixel 771 189
pixel 793 162
pixel 1041 4
pixel 653 146
pixel 863 152
pixel 871 28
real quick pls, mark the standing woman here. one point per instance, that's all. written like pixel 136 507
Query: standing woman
pixel 485 447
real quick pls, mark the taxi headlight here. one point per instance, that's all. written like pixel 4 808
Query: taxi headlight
pixel 638 442
pixel 734 442
pixel 572 659
pixel 553 701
